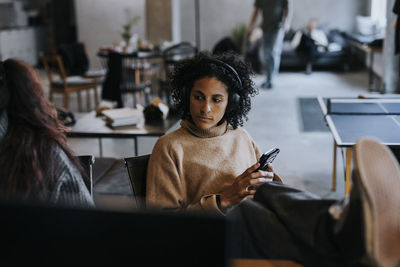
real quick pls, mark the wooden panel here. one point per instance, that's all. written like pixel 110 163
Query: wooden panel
pixel 263 263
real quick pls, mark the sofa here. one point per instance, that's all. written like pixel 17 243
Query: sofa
pixel 336 57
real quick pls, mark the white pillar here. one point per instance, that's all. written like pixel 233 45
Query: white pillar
pixel 176 21
pixel 390 66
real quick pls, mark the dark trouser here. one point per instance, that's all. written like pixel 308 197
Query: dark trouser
pixel 272 45
pixel 307 49
pixel 285 223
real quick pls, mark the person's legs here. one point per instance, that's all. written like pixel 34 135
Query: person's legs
pixel 268 58
pixel 363 229
pixel 308 220
pixel 307 51
pixel 277 50
pixel 281 223
pixel 256 232
pixel 272 46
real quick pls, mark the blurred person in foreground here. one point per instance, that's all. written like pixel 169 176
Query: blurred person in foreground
pixel 35 161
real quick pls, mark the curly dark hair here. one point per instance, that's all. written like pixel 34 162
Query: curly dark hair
pixel 188 71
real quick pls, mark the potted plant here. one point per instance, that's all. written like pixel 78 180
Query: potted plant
pixel 126 33
pixel 238 36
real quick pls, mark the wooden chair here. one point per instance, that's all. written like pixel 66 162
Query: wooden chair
pixel 60 83
pixel 76 62
pixel 137 170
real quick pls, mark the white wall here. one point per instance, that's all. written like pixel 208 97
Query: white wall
pixel 386 64
pixel 100 22
pixel 340 14
pixel 187 21
pixel 219 17
pixel 390 64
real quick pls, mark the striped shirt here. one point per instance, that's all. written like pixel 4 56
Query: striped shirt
pixel 69 189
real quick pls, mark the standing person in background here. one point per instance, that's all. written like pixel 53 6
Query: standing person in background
pixel 275 13
pixel 35 161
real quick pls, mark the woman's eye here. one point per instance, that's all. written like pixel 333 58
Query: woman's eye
pixel 198 97
pixel 217 100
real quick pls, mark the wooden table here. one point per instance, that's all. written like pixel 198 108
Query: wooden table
pixel 90 126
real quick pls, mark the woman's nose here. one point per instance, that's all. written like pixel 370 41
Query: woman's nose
pixel 206 107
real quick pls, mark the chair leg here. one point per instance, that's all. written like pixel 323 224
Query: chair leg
pixel 65 100
pixel 96 98
pixel 79 101
pixel 88 99
pixel 134 100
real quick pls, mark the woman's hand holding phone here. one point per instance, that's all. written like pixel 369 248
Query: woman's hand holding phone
pixel 245 185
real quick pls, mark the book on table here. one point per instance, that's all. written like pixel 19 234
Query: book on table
pixel 122 117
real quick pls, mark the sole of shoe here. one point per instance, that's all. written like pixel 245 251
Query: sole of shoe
pixel 379 181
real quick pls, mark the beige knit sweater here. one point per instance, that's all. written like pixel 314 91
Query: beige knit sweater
pixel 189 167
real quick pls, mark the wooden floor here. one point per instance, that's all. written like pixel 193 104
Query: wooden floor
pixel 262 263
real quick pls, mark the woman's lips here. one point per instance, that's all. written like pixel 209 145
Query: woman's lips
pixel 204 118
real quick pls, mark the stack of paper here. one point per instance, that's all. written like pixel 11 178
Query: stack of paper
pixel 122 117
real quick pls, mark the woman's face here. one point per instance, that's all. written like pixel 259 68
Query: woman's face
pixel 208 102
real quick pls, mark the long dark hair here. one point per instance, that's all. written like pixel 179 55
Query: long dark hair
pixel 33 134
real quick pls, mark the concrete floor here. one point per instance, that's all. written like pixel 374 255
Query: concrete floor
pixel 305 160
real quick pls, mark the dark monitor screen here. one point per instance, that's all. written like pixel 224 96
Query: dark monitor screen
pixel 33 235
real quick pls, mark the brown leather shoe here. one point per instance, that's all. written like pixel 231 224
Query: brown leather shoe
pixel 378 179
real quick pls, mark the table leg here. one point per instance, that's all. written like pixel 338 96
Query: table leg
pixel 137 75
pixel 348 171
pixel 334 166
pixel 382 87
pixel 371 72
pixel 100 148
pixel 136 146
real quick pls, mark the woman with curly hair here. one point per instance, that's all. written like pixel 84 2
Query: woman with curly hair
pixel 209 163
pixel 35 161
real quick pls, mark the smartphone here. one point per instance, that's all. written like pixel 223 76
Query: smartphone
pixel 267 157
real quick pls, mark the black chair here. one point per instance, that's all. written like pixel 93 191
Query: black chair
pixel 171 56
pixel 124 76
pixel 76 61
pixel 225 45
pixel 87 162
pixel 137 170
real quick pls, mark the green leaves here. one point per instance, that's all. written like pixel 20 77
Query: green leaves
pixel 126 28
